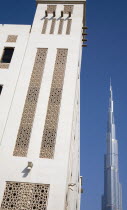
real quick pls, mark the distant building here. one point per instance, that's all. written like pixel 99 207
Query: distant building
pixel 112 198
pixel 39 108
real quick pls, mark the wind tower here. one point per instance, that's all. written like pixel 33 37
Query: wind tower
pixel 112 198
pixel 39 108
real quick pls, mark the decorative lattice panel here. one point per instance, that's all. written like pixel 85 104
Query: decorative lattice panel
pixel 53 26
pixel 26 124
pixel 68 8
pixel 45 26
pixel 4 65
pixel 69 22
pixel 11 38
pixel 51 123
pixel 51 8
pixel 26 196
pixel 60 29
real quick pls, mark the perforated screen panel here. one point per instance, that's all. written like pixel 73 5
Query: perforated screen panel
pixel 23 137
pixel 4 65
pixel 25 196
pixel 61 23
pixel 68 30
pixel 53 26
pixel 45 26
pixel 51 123
pixel 51 8
pixel 68 8
pixel 11 38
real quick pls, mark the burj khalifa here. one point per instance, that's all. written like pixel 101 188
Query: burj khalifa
pixel 112 197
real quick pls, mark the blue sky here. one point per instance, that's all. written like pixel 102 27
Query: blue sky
pixel 105 57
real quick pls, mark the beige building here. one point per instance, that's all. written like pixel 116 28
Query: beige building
pixel 39 109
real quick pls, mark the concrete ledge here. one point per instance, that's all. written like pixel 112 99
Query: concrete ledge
pixel 61 2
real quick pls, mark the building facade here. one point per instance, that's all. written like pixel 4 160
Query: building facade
pixel 40 100
pixel 112 198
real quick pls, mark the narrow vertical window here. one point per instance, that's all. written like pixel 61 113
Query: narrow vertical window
pixel 60 26
pixel 69 22
pixel 1 87
pixel 7 55
pixel 53 26
pixel 45 26
pixel 52 117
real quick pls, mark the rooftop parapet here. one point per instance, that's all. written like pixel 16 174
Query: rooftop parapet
pixel 66 2
pixel 61 1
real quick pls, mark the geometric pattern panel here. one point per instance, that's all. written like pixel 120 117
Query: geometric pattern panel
pixel 53 26
pixel 4 65
pixel 11 38
pixel 45 26
pixel 24 132
pixel 68 8
pixel 50 129
pixel 60 26
pixel 51 8
pixel 26 196
pixel 69 22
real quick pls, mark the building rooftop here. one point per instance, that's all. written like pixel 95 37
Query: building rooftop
pixel 62 1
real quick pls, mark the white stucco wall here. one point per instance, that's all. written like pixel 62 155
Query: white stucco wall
pixel 9 77
pixel 16 81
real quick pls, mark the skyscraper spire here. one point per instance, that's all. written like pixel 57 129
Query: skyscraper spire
pixel 111 123
pixel 112 198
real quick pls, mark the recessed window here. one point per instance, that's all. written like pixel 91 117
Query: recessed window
pixel 7 55
pixel 1 87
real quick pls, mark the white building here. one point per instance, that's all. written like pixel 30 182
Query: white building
pixel 39 109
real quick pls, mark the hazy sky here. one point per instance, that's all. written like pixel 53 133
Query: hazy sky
pixel 105 56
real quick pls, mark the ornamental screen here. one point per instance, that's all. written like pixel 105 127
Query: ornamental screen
pixel 51 123
pixel 53 26
pixel 51 8
pixel 30 196
pixel 24 133
pixel 68 8
pixel 61 23
pixel 68 30
pixel 11 38
pixel 45 26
